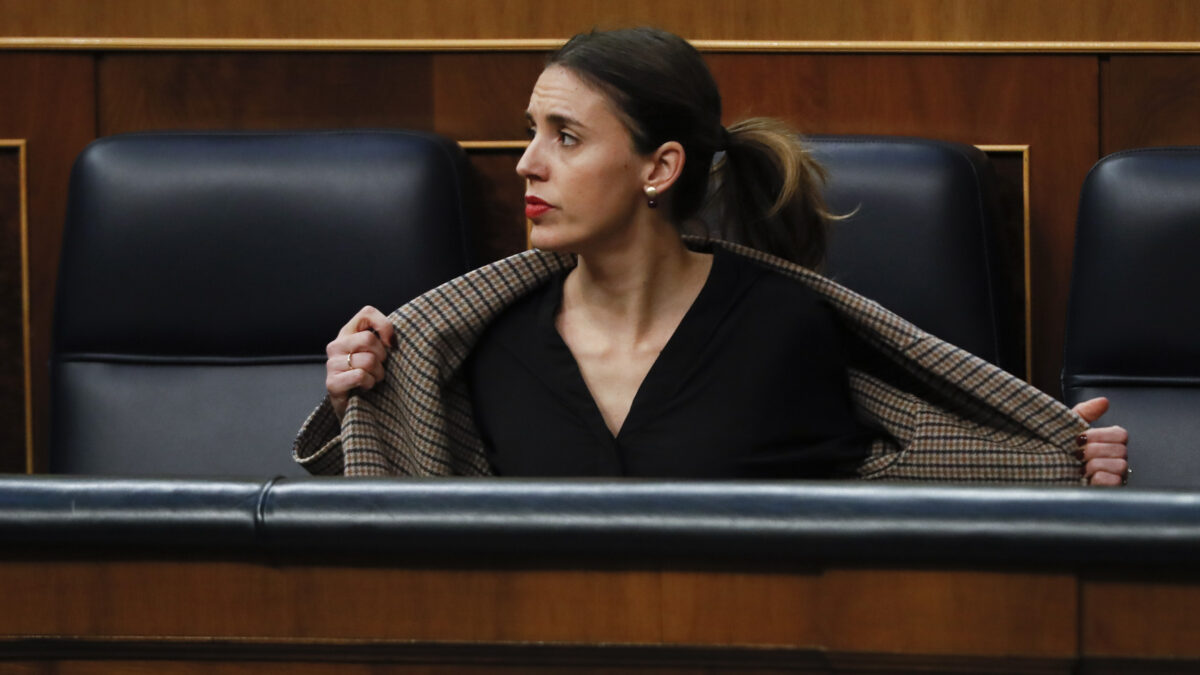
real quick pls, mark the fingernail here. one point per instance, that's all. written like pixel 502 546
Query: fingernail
pixel 1079 455
pixel 1081 439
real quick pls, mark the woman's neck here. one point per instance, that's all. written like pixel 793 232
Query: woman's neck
pixel 630 289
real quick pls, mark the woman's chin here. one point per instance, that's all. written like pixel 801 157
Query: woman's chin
pixel 543 238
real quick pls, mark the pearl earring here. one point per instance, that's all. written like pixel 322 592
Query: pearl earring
pixel 651 196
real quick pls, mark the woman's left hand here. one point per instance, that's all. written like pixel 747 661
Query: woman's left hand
pixel 1102 449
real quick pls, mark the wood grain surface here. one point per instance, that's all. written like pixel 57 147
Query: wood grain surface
pixel 1142 619
pixel 483 96
pixel 139 92
pixel 502 204
pixel 49 100
pixel 916 613
pixel 1149 101
pixel 937 20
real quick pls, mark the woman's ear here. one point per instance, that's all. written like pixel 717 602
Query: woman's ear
pixel 666 164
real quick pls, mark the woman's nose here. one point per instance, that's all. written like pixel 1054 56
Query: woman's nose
pixel 531 167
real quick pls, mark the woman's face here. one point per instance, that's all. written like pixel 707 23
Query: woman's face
pixel 583 179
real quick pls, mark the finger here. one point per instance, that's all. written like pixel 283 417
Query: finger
pixel 368 381
pixel 375 368
pixel 1106 435
pixel 348 380
pixel 1092 409
pixel 336 364
pixel 1107 479
pixel 1099 450
pixel 376 349
pixel 340 383
pixel 386 332
pixel 369 319
pixel 367 361
pixel 1105 465
pixel 362 341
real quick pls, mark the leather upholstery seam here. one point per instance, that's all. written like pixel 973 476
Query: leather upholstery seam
pixel 260 508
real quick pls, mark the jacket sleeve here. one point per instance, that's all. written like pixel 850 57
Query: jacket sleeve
pixel 925 441
pixel 318 447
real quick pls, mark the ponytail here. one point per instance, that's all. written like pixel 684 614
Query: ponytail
pixel 766 193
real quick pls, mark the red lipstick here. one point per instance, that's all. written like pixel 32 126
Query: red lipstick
pixel 535 207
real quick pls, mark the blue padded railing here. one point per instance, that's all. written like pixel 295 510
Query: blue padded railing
pixel 596 520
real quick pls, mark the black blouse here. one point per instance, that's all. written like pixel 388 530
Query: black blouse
pixel 751 384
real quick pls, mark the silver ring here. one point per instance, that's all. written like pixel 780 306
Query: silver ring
pixel 1125 476
pixel 349 363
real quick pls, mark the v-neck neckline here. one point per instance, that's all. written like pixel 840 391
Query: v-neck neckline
pixel 687 341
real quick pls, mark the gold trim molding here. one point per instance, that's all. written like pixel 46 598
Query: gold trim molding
pixel 18 144
pixel 493 145
pixel 547 44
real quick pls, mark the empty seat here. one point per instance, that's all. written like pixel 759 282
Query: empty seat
pixel 921 237
pixel 202 275
pixel 1132 320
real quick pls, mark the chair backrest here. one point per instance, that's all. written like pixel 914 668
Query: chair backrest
pixel 922 237
pixel 1134 316
pixel 202 275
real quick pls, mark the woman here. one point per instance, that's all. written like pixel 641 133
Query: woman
pixel 644 353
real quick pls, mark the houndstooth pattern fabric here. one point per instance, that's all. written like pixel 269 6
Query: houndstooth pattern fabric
pixel 954 417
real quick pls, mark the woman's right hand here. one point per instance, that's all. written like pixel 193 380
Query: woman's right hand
pixel 356 356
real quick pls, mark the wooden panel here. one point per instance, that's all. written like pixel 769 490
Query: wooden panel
pixel 879 611
pixel 229 599
pixel 786 607
pixel 502 210
pixel 874 611
pixel 263 91
pixel 881 620
pixel 949 612
pixel 1157 619
pixel 483 96
pixel 1046 102
pixel 12 311
pixel 1149 100
pixel 48 100
pixel 1022 20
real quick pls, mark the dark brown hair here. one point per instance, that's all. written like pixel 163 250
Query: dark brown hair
pixel 764 190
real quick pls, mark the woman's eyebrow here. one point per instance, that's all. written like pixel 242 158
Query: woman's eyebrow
pixel 557 119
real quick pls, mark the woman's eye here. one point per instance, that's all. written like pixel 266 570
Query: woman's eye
pixel 567 139
pixel 530 132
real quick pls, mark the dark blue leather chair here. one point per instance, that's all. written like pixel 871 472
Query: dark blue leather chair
pixel 1133 318
pixel 922 237
pixel 202 275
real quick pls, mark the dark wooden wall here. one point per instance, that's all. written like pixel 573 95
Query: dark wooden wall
pixel 1070 102
pixel 104 615
pixel 903 20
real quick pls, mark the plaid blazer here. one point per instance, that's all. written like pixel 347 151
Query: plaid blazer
pixel 943 414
